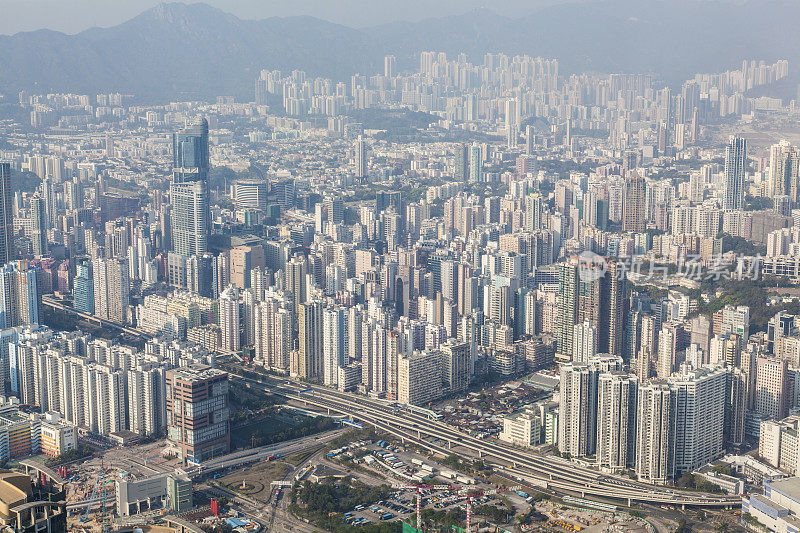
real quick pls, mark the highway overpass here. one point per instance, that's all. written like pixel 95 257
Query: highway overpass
pixel 558 474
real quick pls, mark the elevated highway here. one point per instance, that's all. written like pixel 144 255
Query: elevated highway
pixel 553 472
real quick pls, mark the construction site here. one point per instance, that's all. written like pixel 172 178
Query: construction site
pixel 104 492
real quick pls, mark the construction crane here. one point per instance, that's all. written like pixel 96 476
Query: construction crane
pixel 97 484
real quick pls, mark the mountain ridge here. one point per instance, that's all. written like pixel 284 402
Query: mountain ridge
pixel 180 50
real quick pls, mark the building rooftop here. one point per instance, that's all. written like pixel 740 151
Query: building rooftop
pixel 789 486
pixel 197 372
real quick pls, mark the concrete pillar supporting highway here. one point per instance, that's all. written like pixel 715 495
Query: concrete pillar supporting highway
pixel 683 507
pixel 629 502
pixel 583 494
pixel 449 444
pixel 480 454
pixel 419 434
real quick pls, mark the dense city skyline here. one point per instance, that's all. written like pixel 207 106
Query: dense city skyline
pixel 284 275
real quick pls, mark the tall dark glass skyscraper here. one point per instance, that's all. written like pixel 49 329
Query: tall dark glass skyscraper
pixel 191 216
pixel 6 215
pixel 190 148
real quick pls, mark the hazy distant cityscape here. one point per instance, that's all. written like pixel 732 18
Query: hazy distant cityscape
pixel 482 290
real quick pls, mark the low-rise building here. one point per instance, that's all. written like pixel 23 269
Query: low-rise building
pixel 57 436
pixel 522 429
pixel 778 508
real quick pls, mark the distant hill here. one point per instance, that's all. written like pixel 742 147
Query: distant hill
pixel 185 51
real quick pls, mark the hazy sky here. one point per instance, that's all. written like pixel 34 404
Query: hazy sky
pixel 72 16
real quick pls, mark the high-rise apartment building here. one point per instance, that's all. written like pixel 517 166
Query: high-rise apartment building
pixel 6 214
pixel 656 429
pixel 334 342
pixel 634 214
pixel 616 420
pixel 577 427
pixel 735 169
pixel 361 158
pixel 592 295
pixel 700 417
pixel 461 162
pixel 771 387
pixel 111 289
pixel 389 66
pixel 36 229
pixel 198 412
pixel 475 163
pixel 229 319
pixel 83 287
pixel 20 300
pixel 419 378
pixel 456 365
pixel 310 352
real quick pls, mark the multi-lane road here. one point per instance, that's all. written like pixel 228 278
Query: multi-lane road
pixel 68 309
pixel 552 472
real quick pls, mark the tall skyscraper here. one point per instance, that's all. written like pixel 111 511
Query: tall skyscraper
pixel 334 341
pixel 784 171
pixel 530 145
pixel 512 124
pixel 190 149
pixel 191 216
pixel 6 214
pixel 735 167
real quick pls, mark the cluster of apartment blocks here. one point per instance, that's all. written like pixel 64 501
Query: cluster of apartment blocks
pixel 660 428
pixel 103 388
